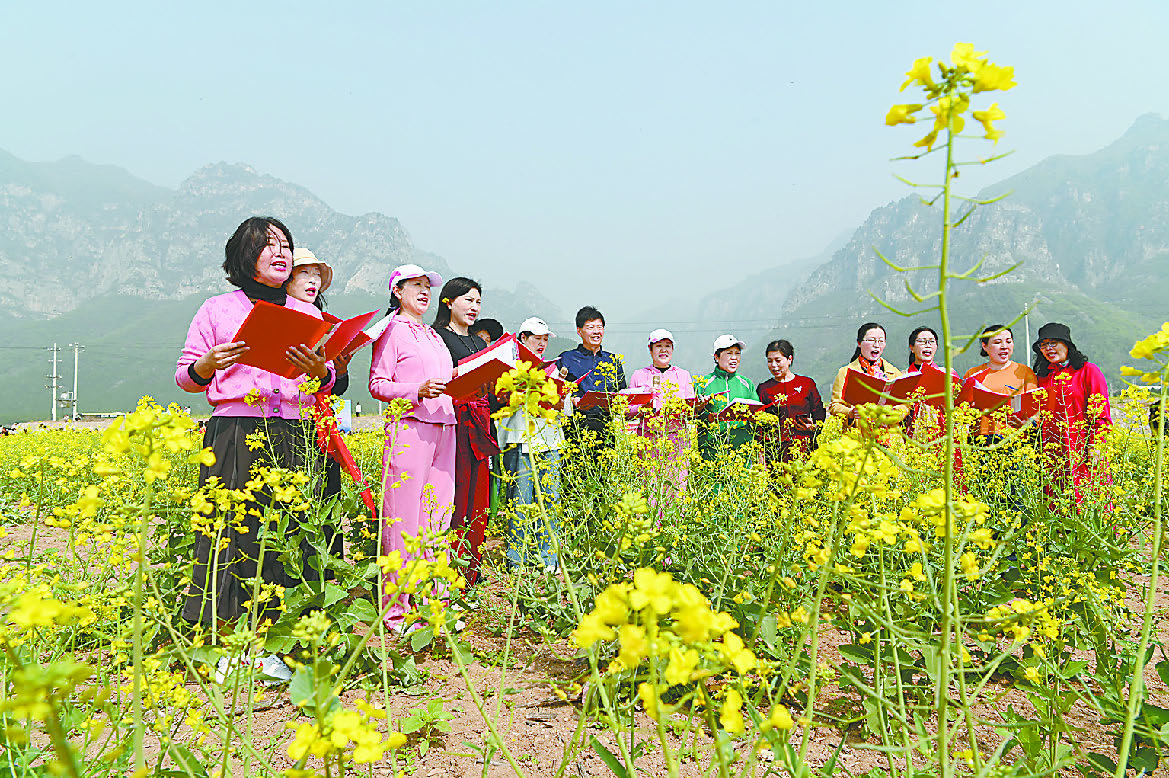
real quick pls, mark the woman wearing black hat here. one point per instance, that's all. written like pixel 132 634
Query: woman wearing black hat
pixel 1077 408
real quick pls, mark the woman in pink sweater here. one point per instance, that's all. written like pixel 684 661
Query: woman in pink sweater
pixel 246 401
pixel 411 364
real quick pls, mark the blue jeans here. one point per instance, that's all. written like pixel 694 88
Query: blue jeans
pixel 527 532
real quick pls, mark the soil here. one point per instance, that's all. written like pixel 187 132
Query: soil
pixel 538 726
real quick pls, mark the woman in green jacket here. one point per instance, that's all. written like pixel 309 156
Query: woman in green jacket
pixel 723 386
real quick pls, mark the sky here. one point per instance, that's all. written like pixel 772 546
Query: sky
pixel 614 153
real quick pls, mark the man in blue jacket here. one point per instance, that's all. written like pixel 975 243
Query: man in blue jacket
pixel 597 370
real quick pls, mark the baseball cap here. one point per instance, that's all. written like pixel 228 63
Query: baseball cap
pixel 660 334
pixel 406 272
pixel 536 327
pixel 306 257
pixel 726 341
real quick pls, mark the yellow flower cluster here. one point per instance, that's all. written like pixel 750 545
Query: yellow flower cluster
pixel 1150 348
pixel 340 731
pixel 968 72
pixel 529 391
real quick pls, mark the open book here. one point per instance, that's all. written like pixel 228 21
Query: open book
pixel 738 409
pixel 485 367
pixel 347 335
pixel 606 399
pixel 270 330
pixel 929 384
pixel 1023 404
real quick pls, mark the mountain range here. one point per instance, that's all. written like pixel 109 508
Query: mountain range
pixel 96 256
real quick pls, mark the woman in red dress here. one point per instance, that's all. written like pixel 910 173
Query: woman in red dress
pixel 794 399
pixel 1077 412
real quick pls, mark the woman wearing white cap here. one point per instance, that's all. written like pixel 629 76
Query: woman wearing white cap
pixel 528 532
pixel 723 385
pixel 666 382
pixel 411 364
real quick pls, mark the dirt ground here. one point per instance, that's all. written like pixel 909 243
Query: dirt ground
pixel 538 726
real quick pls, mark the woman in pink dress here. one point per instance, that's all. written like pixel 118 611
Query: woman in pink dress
pixel 412 364
pixel 666 430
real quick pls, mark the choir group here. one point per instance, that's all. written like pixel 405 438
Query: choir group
pixel 437 460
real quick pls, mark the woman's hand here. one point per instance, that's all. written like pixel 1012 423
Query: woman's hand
pixel 341 364
pixel 219 357
pixel 307 361
pixel 430 388
pixel 853 414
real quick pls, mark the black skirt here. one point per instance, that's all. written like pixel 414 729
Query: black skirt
pixel 229 574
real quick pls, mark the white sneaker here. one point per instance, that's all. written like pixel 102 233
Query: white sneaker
pixel 270 669
pixel 274 670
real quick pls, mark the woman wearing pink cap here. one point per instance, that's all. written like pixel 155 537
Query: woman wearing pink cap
pixel 666 382
pixel 411 364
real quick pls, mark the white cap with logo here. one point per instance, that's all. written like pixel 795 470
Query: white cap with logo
pixel 726 341
pixel 536 327
pixel 660 334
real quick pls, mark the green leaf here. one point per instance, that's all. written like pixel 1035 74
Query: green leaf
pixel 189 765
pixel 409 725
pixel 363 610
pixel 423 747
pixel 859 653
pixel 300 688
pixel 421 638
pixel 334 593
pixel 608 758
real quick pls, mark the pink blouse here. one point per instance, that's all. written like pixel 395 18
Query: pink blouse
pixel 406 354
pixel 216 322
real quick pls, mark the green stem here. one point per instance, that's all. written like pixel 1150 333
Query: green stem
pixel 1136 682
pixel 139 582
pixel 949 599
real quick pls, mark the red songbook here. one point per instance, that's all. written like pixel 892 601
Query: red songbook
pixel 270 330
pixel 1023 405
pixel 863 389
pixel 347 336
pixel 737 409
pixel 606 399
pixel 486 366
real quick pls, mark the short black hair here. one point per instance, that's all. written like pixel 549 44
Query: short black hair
pixel 244 246
pixel 587 314
pixel 453 289
pixel 783 347
pixel 492 327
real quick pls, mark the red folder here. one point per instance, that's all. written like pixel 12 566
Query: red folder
pixel 270 330
pixel 1023 405
pixel 737 409
pixel 862 388
pixel 485 367
pixel 606 399
pixel 347 336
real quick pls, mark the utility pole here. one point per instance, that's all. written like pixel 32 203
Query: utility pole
pixel 53 377
pixel 76 348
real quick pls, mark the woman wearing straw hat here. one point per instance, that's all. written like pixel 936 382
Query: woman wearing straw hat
pixel 411 365
pixel 1077 413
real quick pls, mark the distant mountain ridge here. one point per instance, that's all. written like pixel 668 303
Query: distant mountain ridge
pixel 1091 233
pixel 92 254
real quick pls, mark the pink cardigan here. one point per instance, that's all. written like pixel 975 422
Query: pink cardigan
pixel 217 321
pixel 406 354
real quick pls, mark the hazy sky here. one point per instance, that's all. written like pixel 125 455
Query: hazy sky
pixel 610 152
